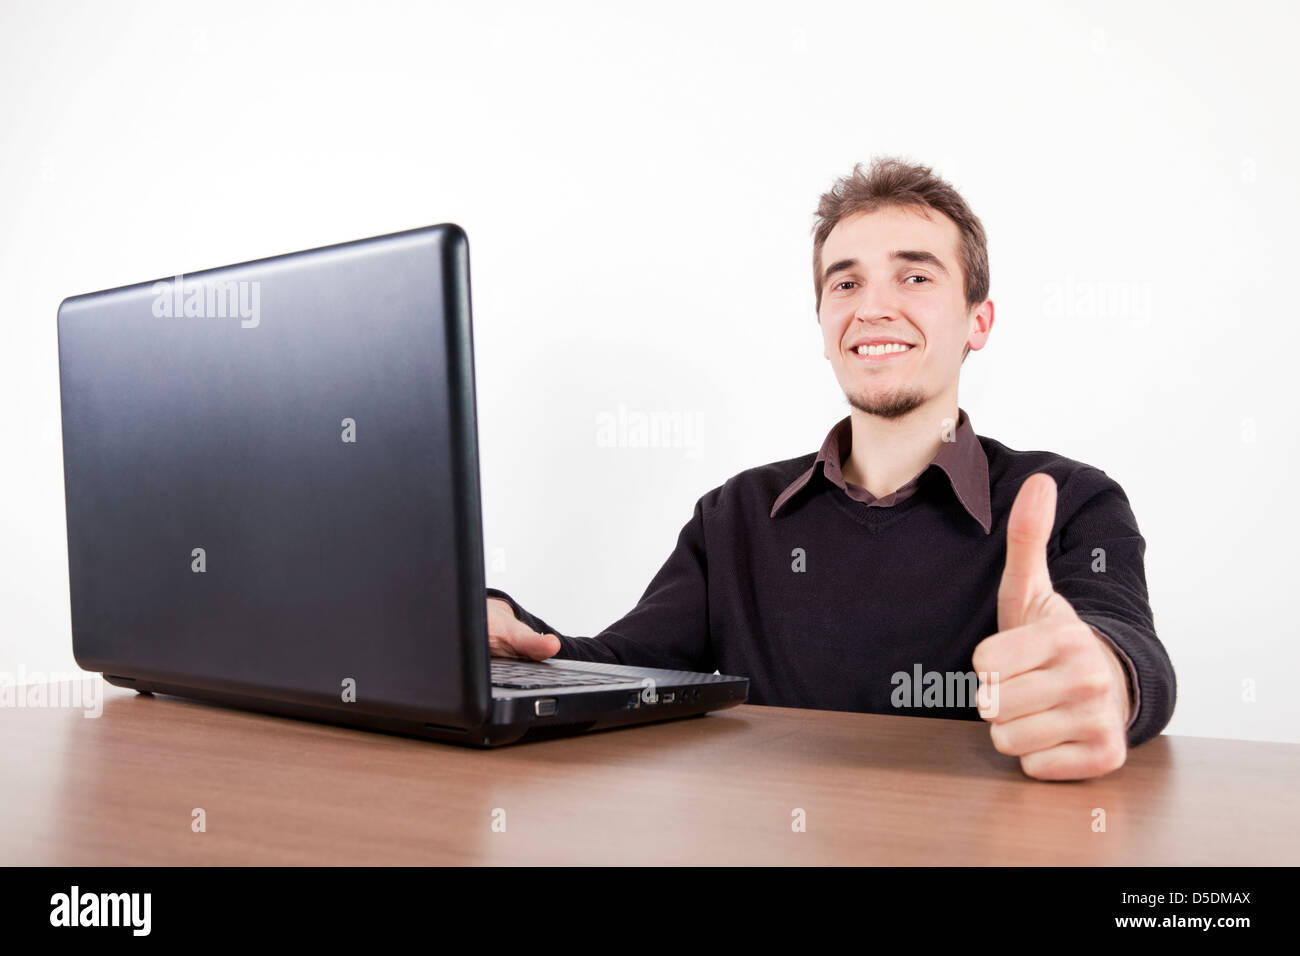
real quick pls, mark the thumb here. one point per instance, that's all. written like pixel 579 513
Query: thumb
pixel 1025 579
pixel 531 645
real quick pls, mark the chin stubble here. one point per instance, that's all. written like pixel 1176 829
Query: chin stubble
pixel 894 405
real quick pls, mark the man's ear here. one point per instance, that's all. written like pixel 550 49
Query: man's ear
pixel 983 325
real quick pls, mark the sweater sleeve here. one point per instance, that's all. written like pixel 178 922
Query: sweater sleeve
pixel 668 627
pixel 532 620
pixel 1099 569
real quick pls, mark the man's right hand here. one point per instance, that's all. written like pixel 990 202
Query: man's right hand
pixel 510 637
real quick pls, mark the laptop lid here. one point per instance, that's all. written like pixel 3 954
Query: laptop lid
pixel 271 479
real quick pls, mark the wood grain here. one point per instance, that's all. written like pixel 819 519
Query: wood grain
pixel 720 789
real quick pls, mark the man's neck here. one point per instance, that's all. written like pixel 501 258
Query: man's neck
pixel 887 454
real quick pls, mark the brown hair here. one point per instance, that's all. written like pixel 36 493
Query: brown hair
pixel 893 182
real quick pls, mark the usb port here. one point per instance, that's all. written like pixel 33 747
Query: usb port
pixel 633 700
pixel 669 697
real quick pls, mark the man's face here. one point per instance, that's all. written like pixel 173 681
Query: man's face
pixel 894 275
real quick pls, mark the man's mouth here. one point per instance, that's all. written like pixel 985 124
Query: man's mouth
pixel 881 353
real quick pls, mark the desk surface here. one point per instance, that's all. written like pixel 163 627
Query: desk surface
pixel 720 789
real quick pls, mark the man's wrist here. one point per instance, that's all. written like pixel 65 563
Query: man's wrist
pixel 1120 672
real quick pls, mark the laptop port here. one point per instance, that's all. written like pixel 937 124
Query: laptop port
pixel 546 707
pixel 633 700
pixel 669 697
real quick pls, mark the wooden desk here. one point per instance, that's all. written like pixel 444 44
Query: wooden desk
pixel 718 789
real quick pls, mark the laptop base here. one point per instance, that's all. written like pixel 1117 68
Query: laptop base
pixel 587 711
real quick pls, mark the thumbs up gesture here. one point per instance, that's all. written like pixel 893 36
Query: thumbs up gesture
pixel 1054 692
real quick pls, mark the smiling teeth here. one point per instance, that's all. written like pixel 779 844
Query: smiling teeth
pixel 881 349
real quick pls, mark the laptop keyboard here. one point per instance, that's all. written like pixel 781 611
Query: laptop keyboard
pixel 525 675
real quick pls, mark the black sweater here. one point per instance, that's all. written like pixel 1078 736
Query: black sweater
pixel 823 603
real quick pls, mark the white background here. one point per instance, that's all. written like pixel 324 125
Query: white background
pixel 638 184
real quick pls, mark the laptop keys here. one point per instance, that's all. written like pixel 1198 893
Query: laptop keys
pixel 524 675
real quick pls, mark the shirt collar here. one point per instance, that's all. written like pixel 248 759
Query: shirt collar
pixel 962 460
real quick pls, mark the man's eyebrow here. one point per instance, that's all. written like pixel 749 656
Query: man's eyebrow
pixel 906 255
pixel 919 255
pixel 844 265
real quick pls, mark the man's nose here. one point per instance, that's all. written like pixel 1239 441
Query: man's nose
pixel 876 302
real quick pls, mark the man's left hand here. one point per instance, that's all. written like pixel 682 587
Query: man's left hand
pixel 1059 700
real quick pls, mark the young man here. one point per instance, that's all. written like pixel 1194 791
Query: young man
pixel 909 558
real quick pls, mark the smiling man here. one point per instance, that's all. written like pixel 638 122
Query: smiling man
pixel 909 560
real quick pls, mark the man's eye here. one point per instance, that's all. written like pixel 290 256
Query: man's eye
pixel 926 278
pixel 844 283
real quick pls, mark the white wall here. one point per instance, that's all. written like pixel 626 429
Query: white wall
pixel 638 188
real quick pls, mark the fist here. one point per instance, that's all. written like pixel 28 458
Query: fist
pixel 1054 693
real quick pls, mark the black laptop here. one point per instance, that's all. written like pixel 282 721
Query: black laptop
pixel 271 474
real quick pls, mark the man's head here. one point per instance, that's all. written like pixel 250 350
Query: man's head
pixel 899 256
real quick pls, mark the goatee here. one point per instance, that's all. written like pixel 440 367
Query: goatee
pixel 894 405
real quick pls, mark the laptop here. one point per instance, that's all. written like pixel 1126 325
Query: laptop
pixel 272 488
